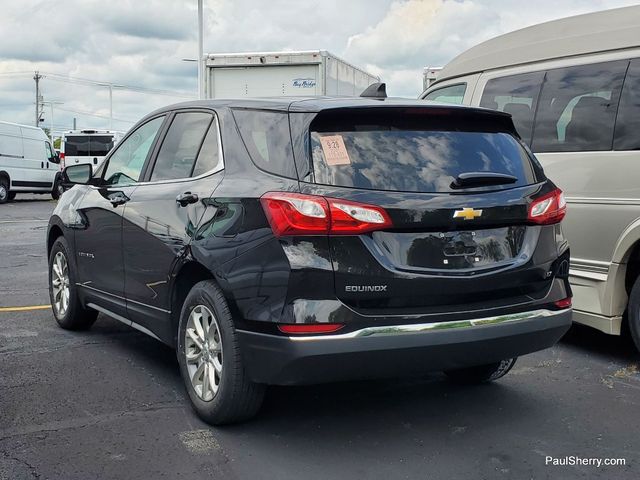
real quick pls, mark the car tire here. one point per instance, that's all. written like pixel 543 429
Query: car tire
pixel 481 373
pixel 66 306
pixel 12 196
pixel 213 372
pixel 633 313
pixel 5 195
pixel 58 190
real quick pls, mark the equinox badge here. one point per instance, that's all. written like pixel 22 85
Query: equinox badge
pixel 365 288
pixel 467 213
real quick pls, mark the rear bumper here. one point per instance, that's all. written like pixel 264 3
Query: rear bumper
pixel 399 350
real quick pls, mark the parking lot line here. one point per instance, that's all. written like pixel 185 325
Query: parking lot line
pixel 24 221
pixel 24 309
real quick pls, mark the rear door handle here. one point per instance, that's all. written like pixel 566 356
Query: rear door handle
pixel 186 198
pixel 117 198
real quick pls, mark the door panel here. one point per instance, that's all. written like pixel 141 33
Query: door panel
pixel 156 234
pixel 99 241
pixel 162 215
pixel 99 246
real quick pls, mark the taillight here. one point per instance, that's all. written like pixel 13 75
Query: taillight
pixel 300 214
pixel 61 160
pixel 310 328
pixel 548 209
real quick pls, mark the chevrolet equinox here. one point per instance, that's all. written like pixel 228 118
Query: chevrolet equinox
pixel 305 240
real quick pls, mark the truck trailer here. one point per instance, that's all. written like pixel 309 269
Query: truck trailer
pixel 269 74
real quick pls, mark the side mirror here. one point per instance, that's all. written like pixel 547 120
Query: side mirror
pixel 55 159
pixel 77 174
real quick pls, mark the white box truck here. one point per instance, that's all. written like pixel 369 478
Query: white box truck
pixel 269 74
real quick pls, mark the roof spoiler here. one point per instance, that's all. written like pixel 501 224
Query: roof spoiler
pixel 375 90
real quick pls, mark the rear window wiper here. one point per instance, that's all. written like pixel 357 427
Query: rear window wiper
pixel 481 179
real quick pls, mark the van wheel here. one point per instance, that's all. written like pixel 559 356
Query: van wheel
pixel 210 360
pixel 58 190
pixel 4 190
pixel 12 196
pixel 67 309
pixel 633 313
pixel 481 373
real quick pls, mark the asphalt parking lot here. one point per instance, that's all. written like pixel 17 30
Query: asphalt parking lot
pixel 109 404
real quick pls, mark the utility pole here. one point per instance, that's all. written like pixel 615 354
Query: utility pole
pixel 200 51
pixel 111 106
pixel 37 78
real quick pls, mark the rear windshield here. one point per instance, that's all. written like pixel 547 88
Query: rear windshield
pixel 87 145
pixel 418 154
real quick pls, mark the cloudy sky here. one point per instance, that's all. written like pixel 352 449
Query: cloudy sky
pixel 140 43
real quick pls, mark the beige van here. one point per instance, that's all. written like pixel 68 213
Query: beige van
pixel 573 89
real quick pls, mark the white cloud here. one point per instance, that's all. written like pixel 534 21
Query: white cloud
pixel 142 42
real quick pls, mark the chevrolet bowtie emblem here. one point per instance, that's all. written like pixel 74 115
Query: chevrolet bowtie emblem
pixel 467 213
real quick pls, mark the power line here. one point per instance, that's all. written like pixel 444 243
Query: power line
pixel 92 114
pixel 133 88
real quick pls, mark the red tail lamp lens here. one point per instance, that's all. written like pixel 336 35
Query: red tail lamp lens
pixel 548 209
pixel 299 214
pixel 312 328
pixel 564 303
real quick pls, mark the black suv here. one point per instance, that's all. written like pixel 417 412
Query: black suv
pixel 288 241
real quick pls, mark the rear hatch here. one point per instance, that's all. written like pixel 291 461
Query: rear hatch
pixel 457 186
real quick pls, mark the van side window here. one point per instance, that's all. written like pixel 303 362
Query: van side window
pixel 449 94
pixel 181 145
pixel 577 108
pixel 627 135
pixel 517 95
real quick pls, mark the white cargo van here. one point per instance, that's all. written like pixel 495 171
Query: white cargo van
pixel 87 146
pixel 28 163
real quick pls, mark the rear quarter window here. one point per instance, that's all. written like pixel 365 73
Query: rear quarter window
pixel 421 154
pixel 267 137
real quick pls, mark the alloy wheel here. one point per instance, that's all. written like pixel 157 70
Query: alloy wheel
pixel 3 193
pixel 60 284
pixel 203 352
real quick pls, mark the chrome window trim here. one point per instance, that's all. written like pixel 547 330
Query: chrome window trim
pixel 217 169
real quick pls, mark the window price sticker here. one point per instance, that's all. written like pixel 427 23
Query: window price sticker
pixel 335 152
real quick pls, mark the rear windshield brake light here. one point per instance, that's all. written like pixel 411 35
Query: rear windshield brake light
pixel 299 214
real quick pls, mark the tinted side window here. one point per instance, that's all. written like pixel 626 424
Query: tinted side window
pixel 577 108
pixel 180 147
pixel 517 95
pixel 450 94
pixel 268 140
pixel 125 165
pixel 209 156
pixel 627 136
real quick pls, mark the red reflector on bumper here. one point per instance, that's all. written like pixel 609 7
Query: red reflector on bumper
pixel 301 329
pixel 564 303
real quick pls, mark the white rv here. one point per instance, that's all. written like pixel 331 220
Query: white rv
pixel 28 163
pixel 572 87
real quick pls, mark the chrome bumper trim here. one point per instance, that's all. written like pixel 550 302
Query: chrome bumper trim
pixel 418 328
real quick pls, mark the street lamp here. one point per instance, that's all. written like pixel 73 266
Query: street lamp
pixel 110 86
pixel 51 103
pixel 200 51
